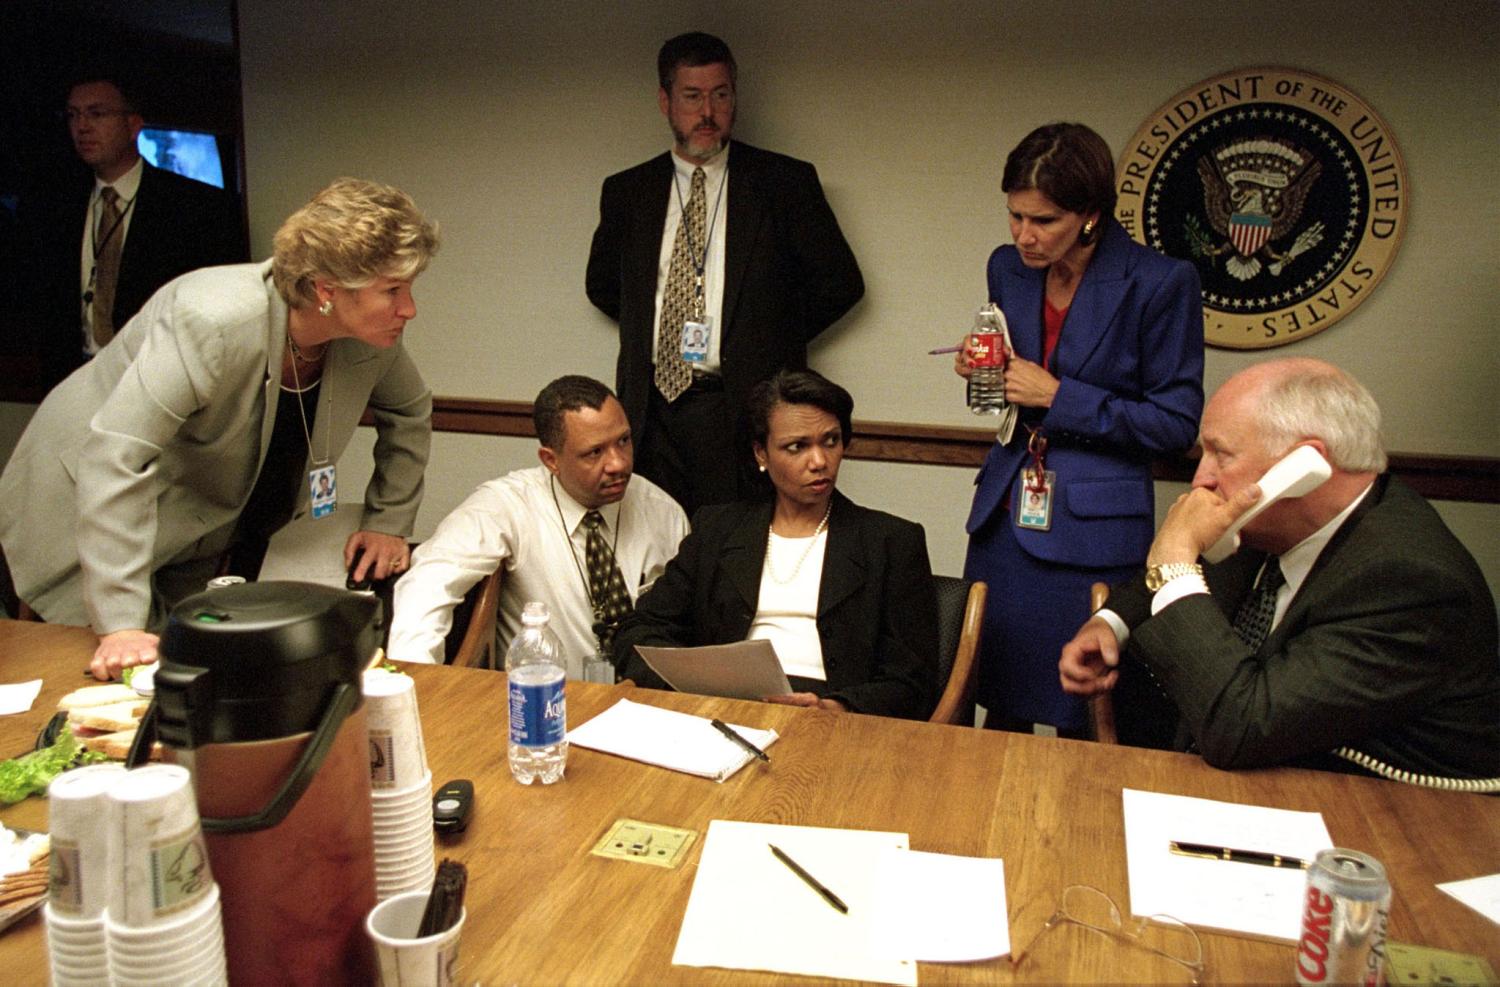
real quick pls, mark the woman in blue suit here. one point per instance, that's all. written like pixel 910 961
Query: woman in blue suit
pixel 1108 372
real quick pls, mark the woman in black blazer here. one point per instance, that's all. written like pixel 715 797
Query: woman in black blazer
pixel 844 593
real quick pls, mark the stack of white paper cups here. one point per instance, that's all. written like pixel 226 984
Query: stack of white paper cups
pixel 78 889
pixel 162 924
pixel 400 786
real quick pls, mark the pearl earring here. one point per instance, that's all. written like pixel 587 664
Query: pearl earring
pixel 326 308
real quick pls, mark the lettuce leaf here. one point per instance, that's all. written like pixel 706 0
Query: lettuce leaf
pixel 30 774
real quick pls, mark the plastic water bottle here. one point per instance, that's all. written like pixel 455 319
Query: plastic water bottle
pixel 987 358
pixel 538 708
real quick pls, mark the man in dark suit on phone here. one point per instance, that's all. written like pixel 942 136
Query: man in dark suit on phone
pixel 1351 627
pixel 102 244
pixel 759 267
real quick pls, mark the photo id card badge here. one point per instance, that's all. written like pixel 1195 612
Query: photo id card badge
pixel 695 339
pixel 324 488
pixel 1034 500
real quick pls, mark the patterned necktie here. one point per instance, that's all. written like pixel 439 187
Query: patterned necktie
pixel 106 265
pixel 606 585
pixel 1253 622
pixel 682 298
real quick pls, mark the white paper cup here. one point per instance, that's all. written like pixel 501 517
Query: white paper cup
pixel 406 961
pixel 189 925
pixel 398 755
pixel 78 820
pixel 157 850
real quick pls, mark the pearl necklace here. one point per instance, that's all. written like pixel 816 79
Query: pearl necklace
pixel 771 530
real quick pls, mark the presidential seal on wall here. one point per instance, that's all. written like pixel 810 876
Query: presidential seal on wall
pixel 1285 189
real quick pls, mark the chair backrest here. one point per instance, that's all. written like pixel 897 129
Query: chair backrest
pixel 471 640
pixel 1102 705
pixel 960 619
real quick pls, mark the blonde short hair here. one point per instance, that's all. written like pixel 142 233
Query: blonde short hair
pixel 351 233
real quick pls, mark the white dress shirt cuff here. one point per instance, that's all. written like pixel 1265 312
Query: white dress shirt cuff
pixel 1175 589
pixel 1122 633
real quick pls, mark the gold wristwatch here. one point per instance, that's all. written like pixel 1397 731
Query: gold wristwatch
pixel 1158 576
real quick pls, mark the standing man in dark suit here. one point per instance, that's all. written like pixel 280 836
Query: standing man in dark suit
pixel 711 306
pixel 1351 627
pixel 102 245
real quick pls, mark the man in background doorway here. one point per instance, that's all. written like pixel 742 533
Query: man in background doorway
pixel 102 244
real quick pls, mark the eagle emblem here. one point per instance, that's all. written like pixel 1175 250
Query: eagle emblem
pixel 1253 193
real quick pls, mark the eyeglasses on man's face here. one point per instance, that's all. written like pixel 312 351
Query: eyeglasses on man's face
pixel 720 98
pixel 93 114
pixel 1087 906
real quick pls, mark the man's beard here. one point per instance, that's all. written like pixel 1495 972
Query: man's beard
pixel 698 145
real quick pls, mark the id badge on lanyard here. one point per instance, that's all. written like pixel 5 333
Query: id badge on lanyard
pixel 1038 484
pixel 323 486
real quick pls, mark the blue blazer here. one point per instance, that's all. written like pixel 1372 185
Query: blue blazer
pixel 1130 359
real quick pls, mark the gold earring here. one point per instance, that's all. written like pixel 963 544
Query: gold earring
pixel 326 308
pixel 1087 234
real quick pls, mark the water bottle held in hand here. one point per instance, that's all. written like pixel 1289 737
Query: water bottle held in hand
pixel 987 354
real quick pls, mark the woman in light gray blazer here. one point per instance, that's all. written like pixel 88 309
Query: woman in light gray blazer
pixel 214 417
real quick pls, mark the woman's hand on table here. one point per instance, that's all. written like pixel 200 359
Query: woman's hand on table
pixel 118 650
pixel 807 699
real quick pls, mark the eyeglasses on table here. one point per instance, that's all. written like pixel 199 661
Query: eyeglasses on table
pixel 1085 905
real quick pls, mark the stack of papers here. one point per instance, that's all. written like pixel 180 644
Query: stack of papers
pixel 1219 894
pixel 749 911
pixel 669 739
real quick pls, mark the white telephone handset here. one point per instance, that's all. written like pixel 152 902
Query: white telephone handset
pixel 1299 472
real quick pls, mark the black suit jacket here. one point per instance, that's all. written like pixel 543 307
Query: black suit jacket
pixel 788 272
pixel 1389 647
pixel 176 225
pixel 877 608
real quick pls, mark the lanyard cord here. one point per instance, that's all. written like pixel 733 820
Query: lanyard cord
pixel 97 245
pixel 573 554
pixel 306 432
pixel 700 258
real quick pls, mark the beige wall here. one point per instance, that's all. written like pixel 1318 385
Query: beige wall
pixel 502 118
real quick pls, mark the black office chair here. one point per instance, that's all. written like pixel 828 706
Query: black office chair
pixel 960 620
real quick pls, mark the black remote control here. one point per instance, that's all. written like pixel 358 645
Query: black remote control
pixel 452 805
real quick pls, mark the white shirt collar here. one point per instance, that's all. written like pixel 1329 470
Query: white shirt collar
pixel 127 185
pixel 1297 561
pixel 713 169
pixel 573 511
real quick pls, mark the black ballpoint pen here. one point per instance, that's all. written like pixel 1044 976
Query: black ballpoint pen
pixel 733 735
pixel 812 882
pixel 1210 852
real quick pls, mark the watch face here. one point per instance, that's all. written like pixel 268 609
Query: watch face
pixel 1154 581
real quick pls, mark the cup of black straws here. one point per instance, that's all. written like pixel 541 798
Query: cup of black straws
pixel 416 933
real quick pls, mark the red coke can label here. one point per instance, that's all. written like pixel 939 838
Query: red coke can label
pixel 986 349
pixel 1345 911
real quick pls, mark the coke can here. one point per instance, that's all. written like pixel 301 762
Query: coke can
pixel 1344 917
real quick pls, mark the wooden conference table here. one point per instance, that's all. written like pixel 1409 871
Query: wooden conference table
pixel 542 910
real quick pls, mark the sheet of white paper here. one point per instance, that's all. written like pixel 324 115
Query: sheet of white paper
pixel 1217 894
pixel 1480 893
pixel 748 911
pixel 311 550
pixel 668 739
pixel 742 670
pixel 18 698
pixel 939 908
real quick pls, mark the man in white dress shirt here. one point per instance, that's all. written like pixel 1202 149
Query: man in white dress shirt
pixel 532 522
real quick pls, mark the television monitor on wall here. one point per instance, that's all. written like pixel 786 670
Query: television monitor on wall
pixel 187 152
